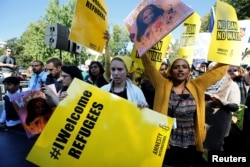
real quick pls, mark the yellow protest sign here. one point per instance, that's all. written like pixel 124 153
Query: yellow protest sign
pixel 156 53
pixel 191 28
pixel 186 53
pixel 225 46
pixel 89 24
pixel 94 128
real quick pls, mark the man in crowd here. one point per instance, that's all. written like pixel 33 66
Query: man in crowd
pixel 8 64
pixel 53 67
pixel 39 76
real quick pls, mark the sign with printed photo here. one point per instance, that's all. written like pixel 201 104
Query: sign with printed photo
pixel 33 110
pixel 152 20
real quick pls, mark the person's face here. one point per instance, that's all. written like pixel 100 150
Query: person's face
pixel 163 69
pixel 39 107
pixel 8 52
pixel 36 67
pixel 66 79
pixel 203 68
pixel 54 71
pixel 94 69
pixel 180 70
pixel 11 87
pixel 147 16
pixel 233 71
pixel 118 71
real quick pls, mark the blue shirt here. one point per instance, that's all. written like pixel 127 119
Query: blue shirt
pixel 34 82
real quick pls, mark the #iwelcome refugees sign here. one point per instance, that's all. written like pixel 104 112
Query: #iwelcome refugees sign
pixel 94 128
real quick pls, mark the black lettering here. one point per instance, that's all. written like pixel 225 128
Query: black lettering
pixel 88 124
pixel 69 127
pixel 157 46
pixel 75 116
pixel 221 25
pixel 71 121
pixel 78 145
pixel 233 36
pixel 63 136
pixel 98 106
pixel 232 25
pixel 74 153
pixel 85 132
pixel 221 35
pixel 81 139
pixel 78 109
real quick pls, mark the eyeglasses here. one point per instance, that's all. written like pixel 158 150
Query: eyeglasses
pixel 234 70
pixel 8 50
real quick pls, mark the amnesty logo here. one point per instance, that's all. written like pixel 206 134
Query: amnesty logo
pixel 159 144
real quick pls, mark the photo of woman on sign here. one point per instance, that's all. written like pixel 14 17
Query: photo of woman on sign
pixel 38 114
pixel 147 17
pixel 151 21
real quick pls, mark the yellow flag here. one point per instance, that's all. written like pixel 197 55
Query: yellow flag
pixel 225 46
pixel 89 24
pixel 156 53
pixel 191 28
pixel 94 128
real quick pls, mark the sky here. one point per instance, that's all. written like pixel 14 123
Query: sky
pixel 16 15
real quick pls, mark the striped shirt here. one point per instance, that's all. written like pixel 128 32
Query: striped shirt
pixel 183 108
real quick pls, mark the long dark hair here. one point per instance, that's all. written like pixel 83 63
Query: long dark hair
pixel 100 67
pixel 141 26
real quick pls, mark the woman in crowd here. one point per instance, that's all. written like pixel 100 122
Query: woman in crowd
pixel 97 74
pixel 184 100
pixel 122 67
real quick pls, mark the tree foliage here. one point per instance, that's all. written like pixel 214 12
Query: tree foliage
pixel 119 40
pixel 242 8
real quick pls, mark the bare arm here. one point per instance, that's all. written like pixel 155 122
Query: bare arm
pixel 107 72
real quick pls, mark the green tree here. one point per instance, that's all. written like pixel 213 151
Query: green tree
pixel 242 8
pixel 119 40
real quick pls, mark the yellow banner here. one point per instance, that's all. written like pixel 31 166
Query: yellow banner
pixel 226 45
pixel 89 24
pixel 186 53
pixel 191 28
pixel 156 53
pixel 94 128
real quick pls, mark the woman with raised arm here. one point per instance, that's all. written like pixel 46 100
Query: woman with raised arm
pixel 184 100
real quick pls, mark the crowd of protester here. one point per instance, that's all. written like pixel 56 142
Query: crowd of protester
pixel 208 96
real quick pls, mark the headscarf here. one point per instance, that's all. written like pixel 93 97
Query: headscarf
pixel 130 65
pixel 168 73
